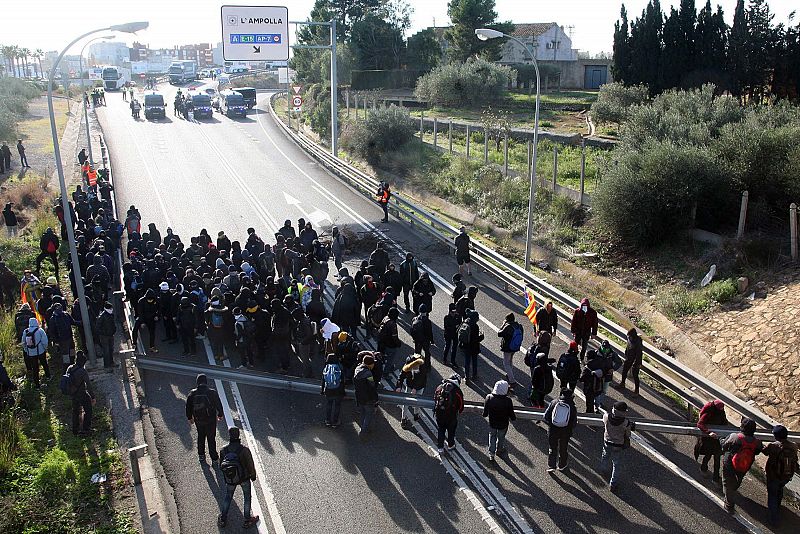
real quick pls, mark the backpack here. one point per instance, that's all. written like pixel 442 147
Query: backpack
pixel 66 385
pixel 201 407
pixel 516 339
pixel 464 334
pixel 30 338
pixel 597 383
pixel 217 319
pixel 332 375
pixel 561 413
pixel 743 458
pixel 232 468
pixel 547 383
pixel 787 463
pixel 417 330
pixel 445 399
pixel 51 246
pixel 564 368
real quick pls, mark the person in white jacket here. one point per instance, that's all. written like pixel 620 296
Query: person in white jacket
pixel 34 345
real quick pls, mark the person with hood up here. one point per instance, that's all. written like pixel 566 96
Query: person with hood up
pixel 459 287
pixel 472 346
pixel 423 291
pixel 583 325
pixel 500 411
pixel 281 334
pixel 347 308
pixel 592 381
pixel 167 313
pixel 10 219
pixel 287 230
pixel 448 403
pixel 204 409
pixel 370 293
pixel 244 330
pixel 216 319
pixel 155 235
pixel 422 333
pixel 633 360
pixel 338 247
pixel 106 328
pixel 83 398
pixel 392 278
pixel 740 451
pixel 34 345
pixel 560 417
pixel 59 330
pixel 708 445
pixel 510 334
pixel 22 318
pixel 305 340
pixel 366 392
pixel 462 243
pixel 379 258
pixel 568 368
pixel 412 380
pixel 147 314
pixel 234 456
pixel 542 381
pixel 333 377
pixel 389 339
pixel 781 467
pixel 48 245
pixel 466 302
pixel 409 272
pixel 546 319
pixel 307 237
pixel 450 328
pixel 616 439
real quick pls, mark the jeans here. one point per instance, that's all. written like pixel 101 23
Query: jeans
pixel 367 412
pixel 731 480
pixel 151 329
pixel 81 401
pixel 634 370
pixel 558 452
pixel 449 348
pixel 584 343
pixel 388 361
pixel 423 349
pixel 32 364
pixel 569 384
pixel 509 367
pixel 107 349
pixel 446 426
pixel 189 341
pixel 409 412
pixel 497 439
pixel 611 454
pixel 230 490
pixel 207 432
pixel 332 410
pixel 470 360
pixel 216 337
pixel 304 352
pixel 774 498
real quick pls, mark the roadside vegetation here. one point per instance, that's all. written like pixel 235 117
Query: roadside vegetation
pixel 14 97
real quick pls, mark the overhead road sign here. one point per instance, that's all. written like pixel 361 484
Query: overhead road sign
pixel 255 33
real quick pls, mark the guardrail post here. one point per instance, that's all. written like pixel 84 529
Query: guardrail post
pixel 365 107
pixel 347 102
pixel 555 166
pixel 469 135
pixel 450 136
pixel 355 104
pixel 530 155
pixel 742 215
pixel 485 145
pixel 134 454
pixel 435 132
pixel 793 229
pixel 505 155
pixel 421 123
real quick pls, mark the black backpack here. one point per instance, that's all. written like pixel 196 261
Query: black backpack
pixel 787 463
pixel 202 410
pixel 232 468
pixel 464 334
pixel 445 399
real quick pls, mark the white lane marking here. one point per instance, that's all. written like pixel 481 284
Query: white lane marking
pixel 252 444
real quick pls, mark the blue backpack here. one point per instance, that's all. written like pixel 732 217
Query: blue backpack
pixel 332 376
pixel 516 339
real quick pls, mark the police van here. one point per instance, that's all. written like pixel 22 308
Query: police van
pixel 154 106
pixel 231 103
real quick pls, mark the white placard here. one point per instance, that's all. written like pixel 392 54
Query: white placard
pixel 255 33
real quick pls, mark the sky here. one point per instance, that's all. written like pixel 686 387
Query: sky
pixel 50 24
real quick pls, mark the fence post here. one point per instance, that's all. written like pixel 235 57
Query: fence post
pixel 435 133
pixel 555 166
pixel 583 167
pixel 505 155
pixel 793 229
pixel 469 135
pixel 355 105
pixel 365 107
pixel 450 136
pixel 530 156
pixel 421 122
pixel 347 102
pixel 485 145
pixel 742 215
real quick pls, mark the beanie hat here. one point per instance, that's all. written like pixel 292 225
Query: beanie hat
pixel 619 407
pixel 233 433
pixel 573 344
pixel 201 379
pixel 780 432
pixel 748 426
pixel 423 308
pixel 368 360
pixel 456 378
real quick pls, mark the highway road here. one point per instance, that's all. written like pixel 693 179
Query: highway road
pixel 224 174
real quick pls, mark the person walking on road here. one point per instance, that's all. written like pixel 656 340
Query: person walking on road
pixel 384 194
pixel 422 292
pixel 48 246
pixel 147 314
pixel 83 398
pixel 204 409
pixel 616 439
pixel 186 322
pixel 338 247
pixel 568 368
pixel 500 411
pixel 448 403
pixel 10 220
pixel 389 339
pixel 546 319
pixel 366 392
pixel 584 325
pixel 541 379
pixel 409 271
pixel 633 360
pixel 450 329
pixel 422 333
pixel 511 335
pixel 781 467
pixel 106 328
pixel 414 378
pixel 560 417
pixel 34 344
pixel 708 445
pixel 23 160
pixel 740 450
pixel 333 378
pixel 469 339
pixel 237 469
pixel 462 242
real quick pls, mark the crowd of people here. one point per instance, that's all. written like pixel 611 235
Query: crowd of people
pixel 5 156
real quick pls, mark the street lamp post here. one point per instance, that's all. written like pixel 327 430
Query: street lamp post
pixel 130 27
pixel 485 34
pixel 83 94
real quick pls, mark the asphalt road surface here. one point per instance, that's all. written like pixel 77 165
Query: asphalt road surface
pixel 230 174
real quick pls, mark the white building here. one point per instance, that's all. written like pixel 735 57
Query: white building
pixel 109 53
pixel 547 40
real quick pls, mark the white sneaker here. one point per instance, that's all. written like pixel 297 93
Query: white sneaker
pixel 451 447
pixel 491 457
pixel 440 450
pixel 551 470
pixel 241 367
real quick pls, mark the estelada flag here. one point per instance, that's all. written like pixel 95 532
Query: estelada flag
pixel 530 305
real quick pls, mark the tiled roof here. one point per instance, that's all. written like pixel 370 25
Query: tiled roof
pixel 534 29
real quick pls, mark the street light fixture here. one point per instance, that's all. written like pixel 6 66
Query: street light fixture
pixel 484 34
pixel 130 27
pixel 83 93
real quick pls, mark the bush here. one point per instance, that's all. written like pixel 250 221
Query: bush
pixel 474 82
pixel 615 102
pixel 9 440
pixel 318 109
pixel 55 472
pixel 385 130
pixel 678 301
pixel 648 196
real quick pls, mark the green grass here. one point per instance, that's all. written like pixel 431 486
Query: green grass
pixel 678 301
pixel 562 98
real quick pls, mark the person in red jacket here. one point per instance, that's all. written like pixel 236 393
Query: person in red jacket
pixel 708 445
pixel 584 325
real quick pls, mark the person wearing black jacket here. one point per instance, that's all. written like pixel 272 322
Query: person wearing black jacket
pixel 241 453
pixel 48 245
pixel 541 379
pixel 82 396
pixel 472 348
pixel 633 360
pixel 414 377
pixel 422 333
pixel 547 319
pixel 466 302
pixel 409 271
pixel 204 409
pixel 451 322
pixel 379 258
pixel 333 395
pixel 423 291
pixel 500 411
pixel 10 219
pixel 186 321
pixel 559 436
pixel 392 278
pixel 568 368
pixel 366 392
pixel 106 327
pixel 147 313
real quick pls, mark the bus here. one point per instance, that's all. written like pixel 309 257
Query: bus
pixel 115 78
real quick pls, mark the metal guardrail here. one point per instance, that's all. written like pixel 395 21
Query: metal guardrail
pixel 517 277
pixel 312 387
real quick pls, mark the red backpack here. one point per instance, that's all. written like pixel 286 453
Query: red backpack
pixel 743 458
